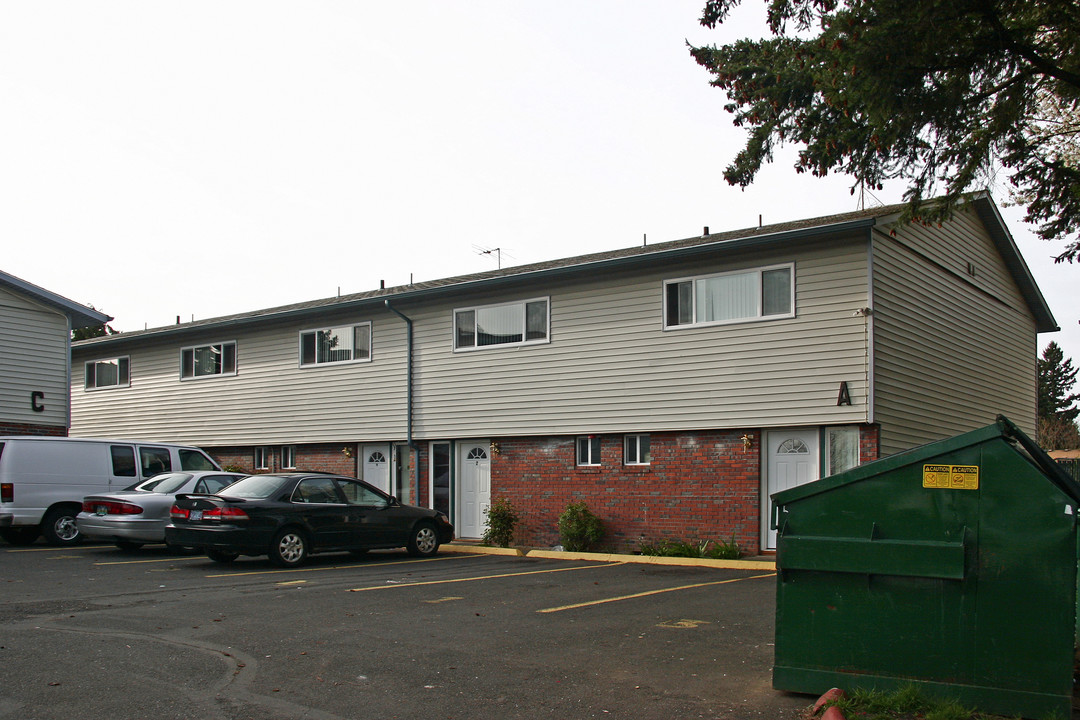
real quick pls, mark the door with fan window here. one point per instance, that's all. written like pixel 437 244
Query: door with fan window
pixel 792 459
pixel 377 466
pixel 473 489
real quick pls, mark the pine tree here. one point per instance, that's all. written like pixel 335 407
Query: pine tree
pixel 1057 377
pixel 939 93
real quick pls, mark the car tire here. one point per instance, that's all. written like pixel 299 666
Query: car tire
pixel 59 527
pixel 21 535
pixel 423 541
pixel 127 545
pixel 289 548
pixel 222 556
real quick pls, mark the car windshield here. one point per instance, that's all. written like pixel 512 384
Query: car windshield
pixel 165 483
pixel 255 487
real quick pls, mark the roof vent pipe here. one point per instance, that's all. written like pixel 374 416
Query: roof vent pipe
pixel 705 232
pixel 382 284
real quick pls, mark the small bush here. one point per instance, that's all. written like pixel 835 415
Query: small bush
pixel 502 517
pixel 719 549
pixel 579 529
pixel 234 468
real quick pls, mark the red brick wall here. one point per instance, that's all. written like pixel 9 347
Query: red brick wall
pixel 26 429
pixel 699 486
pixel 326 457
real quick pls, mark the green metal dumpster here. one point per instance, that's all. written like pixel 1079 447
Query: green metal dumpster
pixel 952 566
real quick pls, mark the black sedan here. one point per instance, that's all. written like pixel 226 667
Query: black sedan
pixel 290 516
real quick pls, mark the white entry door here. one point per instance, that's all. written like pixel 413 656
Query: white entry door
pixel 473 489
pixel 792 459
pixel 377 466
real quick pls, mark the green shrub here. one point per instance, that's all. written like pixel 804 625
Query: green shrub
pixel 234 468
pixel 720 550
pixel 502 517
pixel 579 529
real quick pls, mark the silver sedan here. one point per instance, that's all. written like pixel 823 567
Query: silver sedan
pixel 136 516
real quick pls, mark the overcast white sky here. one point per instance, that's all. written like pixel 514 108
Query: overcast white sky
pixel 204 158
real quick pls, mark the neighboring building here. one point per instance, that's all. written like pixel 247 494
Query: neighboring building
pixel 671 387
pixel 35 357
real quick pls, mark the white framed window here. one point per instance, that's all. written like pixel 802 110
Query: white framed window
pixel 841 449
pixel 517 323
pixel 201 361
pixel 588 450
pixel 347 343
pixel 636 450
pixel 766 293
pixel 262 458
pixel 108 373
pixel 288 457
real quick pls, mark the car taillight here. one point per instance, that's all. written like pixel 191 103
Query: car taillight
pixel 224 513
pixel 178 513
pixel 7 492
pixel 109 507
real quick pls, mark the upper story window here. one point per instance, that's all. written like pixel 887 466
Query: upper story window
pixel 349 343
pixel 208 360
pixel 111 372
pixel 516 323
pixel 759 294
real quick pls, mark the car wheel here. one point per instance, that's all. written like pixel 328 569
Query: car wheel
pixel 289 548
pixel 222 556
pixel 424 541
pixel 20 535
pixel 128 545
pixel 59 528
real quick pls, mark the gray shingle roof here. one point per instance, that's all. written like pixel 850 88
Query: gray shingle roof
pixel 768 234
pixel 81 315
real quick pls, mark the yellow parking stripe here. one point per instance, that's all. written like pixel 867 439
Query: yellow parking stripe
pixel 61 548
pixel 651 592
pixel 344 567
pixel 156 560
pixel 482 577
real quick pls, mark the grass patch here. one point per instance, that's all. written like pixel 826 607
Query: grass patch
pixel 713 549
pixel 906 703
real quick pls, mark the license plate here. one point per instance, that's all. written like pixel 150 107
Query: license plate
pixel 195 516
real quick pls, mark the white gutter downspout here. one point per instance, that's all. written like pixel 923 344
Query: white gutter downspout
pixel 409 395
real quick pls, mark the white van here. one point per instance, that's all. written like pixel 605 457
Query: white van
pixel 43 480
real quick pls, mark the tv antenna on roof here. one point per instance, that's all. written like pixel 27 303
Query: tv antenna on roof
pixel 497 252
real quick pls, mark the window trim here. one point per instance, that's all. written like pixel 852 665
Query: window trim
pixel 636 437
pixel 693 279
pixel 289 464
pixel 591 461
pixel 118 384
pixel 192 348
pixel 352 361
pixel 546 299
pixel 266 453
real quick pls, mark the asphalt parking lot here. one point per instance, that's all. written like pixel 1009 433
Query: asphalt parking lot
pixel 92 631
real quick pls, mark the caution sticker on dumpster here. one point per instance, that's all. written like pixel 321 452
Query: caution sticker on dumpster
pixel 951 477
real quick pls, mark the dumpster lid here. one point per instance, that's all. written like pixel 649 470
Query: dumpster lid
pixel 1003 428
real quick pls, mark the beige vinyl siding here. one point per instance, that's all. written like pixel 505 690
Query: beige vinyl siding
pixel 952 350
pixel 270 400
pixel 609 367
pixel 34 356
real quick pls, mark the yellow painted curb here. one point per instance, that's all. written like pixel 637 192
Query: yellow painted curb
pixel 614 557
pixel 655 560
pixel 484 550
